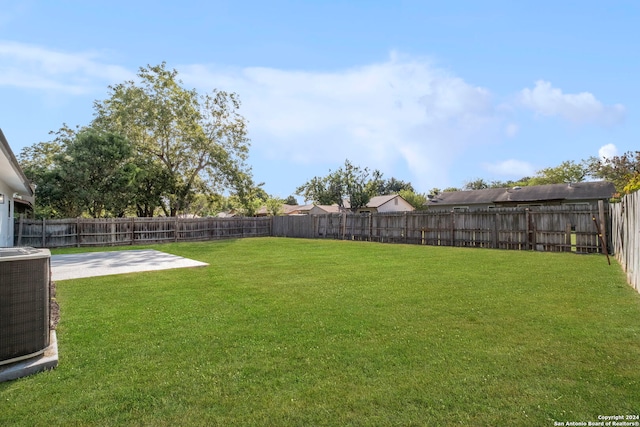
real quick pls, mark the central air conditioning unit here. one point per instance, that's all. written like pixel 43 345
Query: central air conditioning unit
pixel 25 275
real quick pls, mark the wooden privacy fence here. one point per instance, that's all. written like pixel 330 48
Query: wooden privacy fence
pixel 557 228
pixel 625 236
pixel 554 228
pixel 129 231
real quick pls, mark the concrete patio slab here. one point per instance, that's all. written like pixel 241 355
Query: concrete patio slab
pixel 91 264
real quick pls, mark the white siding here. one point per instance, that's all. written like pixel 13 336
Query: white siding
pixel 397 204
pixel 6 217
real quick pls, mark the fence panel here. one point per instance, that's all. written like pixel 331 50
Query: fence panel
pixel 82 232
pixel 625 236
pixel 557 228
pixel 560 228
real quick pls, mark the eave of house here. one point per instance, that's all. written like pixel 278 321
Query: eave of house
pixel 10 172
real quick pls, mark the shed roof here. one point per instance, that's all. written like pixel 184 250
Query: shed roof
pixel 595 190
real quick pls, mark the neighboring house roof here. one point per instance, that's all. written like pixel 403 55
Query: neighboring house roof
pixel 596 190
pixel 329 208
pixel 10 172
pixel 377 201
pixel 310 209
pixel 229 214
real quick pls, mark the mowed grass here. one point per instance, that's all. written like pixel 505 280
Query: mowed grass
pixel 292 332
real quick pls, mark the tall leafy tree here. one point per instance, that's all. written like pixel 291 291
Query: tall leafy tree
pixel 392 186
pixel 100 167
pixel 39 163
pixel 291 200
pixel 476 184
pixel 349 183
pixel 566 172
pixel 274 206
pixel 418 201
pixel 622 170
pixel 193 140
pixel 81 172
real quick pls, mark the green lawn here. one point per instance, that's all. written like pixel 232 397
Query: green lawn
pixel 318 332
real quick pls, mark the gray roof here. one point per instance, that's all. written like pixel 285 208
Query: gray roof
pixel 596 190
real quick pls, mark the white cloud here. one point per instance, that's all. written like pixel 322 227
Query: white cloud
pixel 511 130
pixel 402 111
pixel 578 108
pixel 607 151
pixel 34 67
pixel 511 168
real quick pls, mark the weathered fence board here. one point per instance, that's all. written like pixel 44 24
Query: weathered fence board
pixel 555 228
pixel 129 231
pixel 558 228
pixel 625 236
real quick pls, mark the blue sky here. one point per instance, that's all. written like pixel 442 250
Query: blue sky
pixel 434 93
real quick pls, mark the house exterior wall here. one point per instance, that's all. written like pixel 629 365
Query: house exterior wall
pixel 316 210
pixel 397 204
pixel 6 216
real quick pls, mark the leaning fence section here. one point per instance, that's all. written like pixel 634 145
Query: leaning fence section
pixel 625 236
pixel 554 228
pixel 129 231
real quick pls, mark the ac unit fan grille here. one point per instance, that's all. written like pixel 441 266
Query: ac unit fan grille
pixel 24 307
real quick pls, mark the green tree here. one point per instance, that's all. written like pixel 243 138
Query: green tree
pixel 349 182
pixel 100 167
pixel 476 184
pixel 248 197
pixel 392 186
pixel 621 170
pixel 567 172
pixel 39 163
pixel 196 140
pixel 80 172
pixel 291 200
pixel 416 200
pixel 150 184
pixel 522 182
pixel 274 206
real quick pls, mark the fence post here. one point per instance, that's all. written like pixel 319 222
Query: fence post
pixel 406 227
pixel 20 229
pixel 495 231
pixel 344 224
pixel 531 230
pixel 133 230
pixel 43 233
pixel 603 226
pixel 453 228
